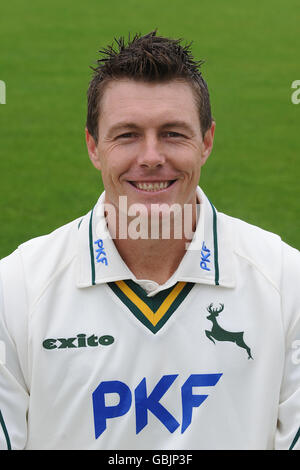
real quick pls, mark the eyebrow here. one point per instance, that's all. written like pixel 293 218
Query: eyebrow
pixel 178 124
pixel 122 125
pixel 131 125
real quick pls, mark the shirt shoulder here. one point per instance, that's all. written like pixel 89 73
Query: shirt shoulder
pixel 265 251
pixel 35 262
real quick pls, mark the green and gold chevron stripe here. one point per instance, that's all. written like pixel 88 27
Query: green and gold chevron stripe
pixel 154 311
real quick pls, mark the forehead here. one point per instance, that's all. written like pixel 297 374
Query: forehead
pixel 146 103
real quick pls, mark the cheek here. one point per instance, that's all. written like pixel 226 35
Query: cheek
pixel 113 166
pixel 185 153
pixel 189 162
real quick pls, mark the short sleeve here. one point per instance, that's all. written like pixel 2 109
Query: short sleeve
pixel 14 396
pixel 288 428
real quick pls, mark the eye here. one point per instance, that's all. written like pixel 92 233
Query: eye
pixel 127 135
pixel 173 134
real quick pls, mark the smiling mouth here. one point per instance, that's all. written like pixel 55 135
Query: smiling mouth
pixel 152 186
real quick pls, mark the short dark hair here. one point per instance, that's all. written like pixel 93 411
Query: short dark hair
pixel 148 58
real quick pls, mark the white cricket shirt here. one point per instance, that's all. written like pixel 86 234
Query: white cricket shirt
pixel 209 360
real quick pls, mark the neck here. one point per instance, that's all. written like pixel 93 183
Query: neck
pixel 153 260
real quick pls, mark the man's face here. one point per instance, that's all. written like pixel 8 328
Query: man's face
pixel 150 147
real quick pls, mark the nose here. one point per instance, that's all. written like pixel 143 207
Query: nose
pixel 151 155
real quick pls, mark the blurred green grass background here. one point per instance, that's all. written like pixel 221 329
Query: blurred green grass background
pixel 251 53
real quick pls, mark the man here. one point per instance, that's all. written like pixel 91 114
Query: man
pixel 116 336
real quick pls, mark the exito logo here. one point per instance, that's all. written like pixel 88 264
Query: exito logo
pixel 2 92
pixel 79 341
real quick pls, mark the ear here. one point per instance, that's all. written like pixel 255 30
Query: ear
pixel 208 141
pixel 92 150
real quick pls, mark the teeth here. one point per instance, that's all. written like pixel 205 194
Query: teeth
pixel 153 186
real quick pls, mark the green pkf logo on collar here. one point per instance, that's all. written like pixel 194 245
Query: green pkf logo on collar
pixel 79 341
pixel 219 334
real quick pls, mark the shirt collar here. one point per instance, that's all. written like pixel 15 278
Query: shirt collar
pixel 208 259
